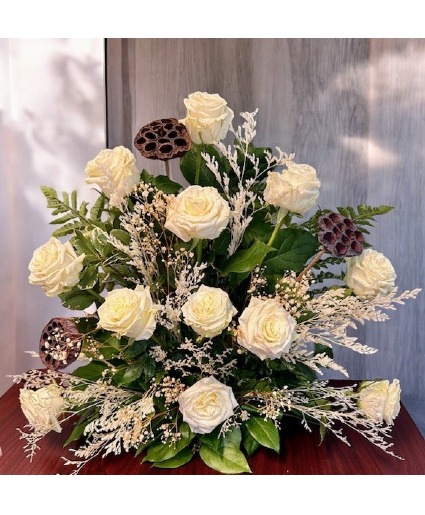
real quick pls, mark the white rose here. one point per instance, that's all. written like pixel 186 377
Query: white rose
pixel 42 407
pixel 370 274
pixel 197 212
pixel 115 172
pixel 129 313
pixel 266 328
pixel 55 267
pixel 207 404
pixel 208 311
pixel 380 400
pixel 295 189
pixel 208 117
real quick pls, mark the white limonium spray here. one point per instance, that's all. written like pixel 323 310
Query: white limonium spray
pixel 370 274
pixel 266 329
pixel 115 172
pixel 129 313
pixel 296 189
pixel 207 404
pixel 55 267
pixel 197 212
pixel 208 117
pixel 208 311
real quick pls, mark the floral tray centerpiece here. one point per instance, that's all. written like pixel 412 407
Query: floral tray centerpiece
pixel 209 311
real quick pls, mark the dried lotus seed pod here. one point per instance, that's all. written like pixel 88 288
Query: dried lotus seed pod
pixel 163 139
pixel 60 343
pixel 339 236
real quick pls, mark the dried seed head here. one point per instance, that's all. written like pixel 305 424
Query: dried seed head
pixel 339 236
pixel 163 139
pixel 60 343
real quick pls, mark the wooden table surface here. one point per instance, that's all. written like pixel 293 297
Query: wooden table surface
pixel 300 453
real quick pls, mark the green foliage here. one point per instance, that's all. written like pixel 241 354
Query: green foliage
pixel 264 432
pixel 92 371
pixel 160 452
pixel 161 182
pixel 295 248
pixel 246 260
pixel 192 160
pixel 223 454
pixel 250 444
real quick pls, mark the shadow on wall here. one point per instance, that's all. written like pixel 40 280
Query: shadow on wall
pixel 51 124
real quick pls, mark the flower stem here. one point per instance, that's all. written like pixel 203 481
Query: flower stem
pixel 310 265
pixel 167 168
pixel 199 252
pixel 282 220
pixel 198 163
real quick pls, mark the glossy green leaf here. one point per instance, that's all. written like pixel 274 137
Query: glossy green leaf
pixel 132 373
pixel 265 432
pixel 294 248
pixel 92 371
pixel 78 299
pixel 250 443
pixel 246 260
pixel 188 165
pixel 223 454
pixel 159 451
pixel 165 184
pixel 178 460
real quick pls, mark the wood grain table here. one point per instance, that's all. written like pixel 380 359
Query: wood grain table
pixel 300 453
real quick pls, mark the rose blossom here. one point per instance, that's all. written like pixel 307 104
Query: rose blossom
pixel 266 329
pixel 380 400
pixel 370 274
pixel 197 212
pixel 295 189
pixel 129 312
pixel 208 311
pixel 115 172
pixel 42 407
pixel 208 117
pixel 206 404
pixel 55 267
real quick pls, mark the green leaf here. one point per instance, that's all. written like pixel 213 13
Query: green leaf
pixel 159 452
pixel 246 260
pixel 265 432
pixel 165 184
pixel 65 230
pixel 88 277
pixel 257 230
pixel 73 199
pixel 132 373
pixel 77 299
pixel 136 349
pixel 178 460
pixel 78 429
pixel 92 371
pixel 188 165
pixel 63 219
pixel 223 454
pixel 295 248
pixel 98 208
pixel 250 443
pixel 84 246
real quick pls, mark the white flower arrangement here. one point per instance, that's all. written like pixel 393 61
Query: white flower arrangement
pixel 212 318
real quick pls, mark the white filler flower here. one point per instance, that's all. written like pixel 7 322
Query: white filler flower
pixel 207 404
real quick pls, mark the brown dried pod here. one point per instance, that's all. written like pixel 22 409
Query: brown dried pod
pixel 163 139
pixel 60 343
pixel 339 236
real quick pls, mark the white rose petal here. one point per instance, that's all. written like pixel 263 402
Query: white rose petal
pixel 208 117
pixel 295 189
pixel 197 212
pixel 370 274
pixel 55 267
pixel 129 313
pixel 208 311
pixel 266 329
pixel 42 407
pixel 115 172
pixel 207 404
pixel 380 400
